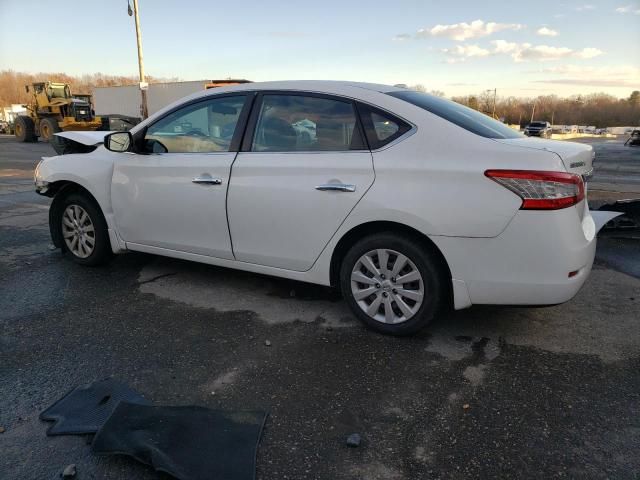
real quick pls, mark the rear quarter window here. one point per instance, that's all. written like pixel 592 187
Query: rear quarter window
pixel 380 127
pixel 464 117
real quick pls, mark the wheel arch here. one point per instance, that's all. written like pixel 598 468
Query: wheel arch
pixel 59 190
pixel 368 228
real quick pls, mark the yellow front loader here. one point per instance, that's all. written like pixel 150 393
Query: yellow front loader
pixel 53 110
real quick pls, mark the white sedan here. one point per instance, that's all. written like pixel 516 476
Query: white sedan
pixel 408 202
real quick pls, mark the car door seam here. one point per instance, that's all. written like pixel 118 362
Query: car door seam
pixel 226 206
pixel 373 168
pixel 252 102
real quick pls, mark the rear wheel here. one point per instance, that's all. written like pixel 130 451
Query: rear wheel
pixel 393 284
pixel 48 127
pixel 25 129
pixel 83 230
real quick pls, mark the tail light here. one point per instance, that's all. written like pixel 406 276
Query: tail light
pixel 541 190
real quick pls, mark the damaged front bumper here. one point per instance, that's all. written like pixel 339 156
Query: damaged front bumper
pixel 42 186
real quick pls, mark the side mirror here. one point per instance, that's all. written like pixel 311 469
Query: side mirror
pixel 118 142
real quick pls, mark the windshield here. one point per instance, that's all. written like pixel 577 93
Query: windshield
pixel 465 117
pixel 537 124
pixel 58 91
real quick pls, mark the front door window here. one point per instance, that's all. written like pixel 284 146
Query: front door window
pixel 203 127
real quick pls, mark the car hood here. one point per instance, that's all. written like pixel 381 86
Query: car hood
pixel 65 143
pixel 85 138
pixel 576 157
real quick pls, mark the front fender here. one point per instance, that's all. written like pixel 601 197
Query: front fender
pixel 92 171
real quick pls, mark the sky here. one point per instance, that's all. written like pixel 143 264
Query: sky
pixel 459 47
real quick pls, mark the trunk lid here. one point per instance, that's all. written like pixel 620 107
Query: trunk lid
pixel 576 157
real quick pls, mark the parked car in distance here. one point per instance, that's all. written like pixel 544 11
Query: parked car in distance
pixel 538 129
pixel 408 202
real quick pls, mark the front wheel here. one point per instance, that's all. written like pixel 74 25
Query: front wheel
pixel 393 284
pixel 48 128
pixel 24 129
pixel 83 230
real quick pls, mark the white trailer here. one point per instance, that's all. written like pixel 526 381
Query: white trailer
pixel 125 100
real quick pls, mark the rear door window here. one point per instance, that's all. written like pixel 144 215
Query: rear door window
pixel 294 123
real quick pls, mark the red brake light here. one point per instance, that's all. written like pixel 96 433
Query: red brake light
pixel 541 190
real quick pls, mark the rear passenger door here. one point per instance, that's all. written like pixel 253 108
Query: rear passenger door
pixel 304 165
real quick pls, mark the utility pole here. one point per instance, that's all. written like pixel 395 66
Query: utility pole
pixel 144 112
pixel 533 112
pixel 495 92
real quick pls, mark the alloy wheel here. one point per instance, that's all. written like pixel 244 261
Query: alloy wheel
pixel 387 286
pixel 78 231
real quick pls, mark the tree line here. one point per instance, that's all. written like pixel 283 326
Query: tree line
pixel 12 83
pixel 597 109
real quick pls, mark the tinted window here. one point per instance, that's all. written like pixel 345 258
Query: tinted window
pixel 538 124
pixel 206 126
pixel 381 127
pixel 384 127
pixel 289 123
pixel 464 117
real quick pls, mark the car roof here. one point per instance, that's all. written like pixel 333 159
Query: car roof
pixel 328 86
pixel 361 90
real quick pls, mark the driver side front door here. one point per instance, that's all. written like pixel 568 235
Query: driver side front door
pixel 175 198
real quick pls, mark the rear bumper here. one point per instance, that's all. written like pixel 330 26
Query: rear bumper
pixel 528 264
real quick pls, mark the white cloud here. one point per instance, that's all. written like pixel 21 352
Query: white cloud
pixel 540 52
pixel 467 51
pixel 589 53
pixel 582 8
pixel 611 76
pixel 502 46
pixel 522 52
pixel 628 9
pixel 401 37
pixel 620 70
pixel 463 31
pixel 547 32
pixel 519 52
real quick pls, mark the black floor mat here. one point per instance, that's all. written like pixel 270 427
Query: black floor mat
pixel 190 443
pixel 86 408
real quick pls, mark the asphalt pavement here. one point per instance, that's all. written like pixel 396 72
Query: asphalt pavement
pixel 616 167
pixel 488 392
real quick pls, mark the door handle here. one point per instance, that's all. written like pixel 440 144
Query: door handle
pixel 207 180
pixel 336 187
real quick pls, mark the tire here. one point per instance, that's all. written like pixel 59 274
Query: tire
pixel 68 220
pixel 25 129
pixel 432 284
pixel 48 127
